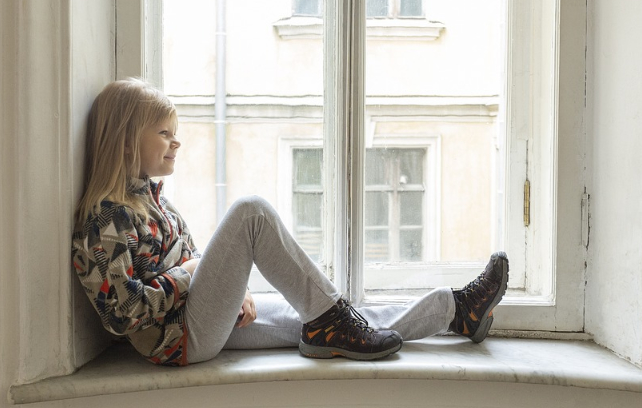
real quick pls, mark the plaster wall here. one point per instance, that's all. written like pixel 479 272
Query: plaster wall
pixel 615 127
pixel 55 57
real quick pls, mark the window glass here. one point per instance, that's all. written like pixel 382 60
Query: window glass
pixel 394 196
pixel 410 8
pixel 307 7
pixel 307 208
pixel 377 8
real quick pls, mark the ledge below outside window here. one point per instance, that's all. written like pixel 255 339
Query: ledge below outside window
pixel 415 29
pixel 500 360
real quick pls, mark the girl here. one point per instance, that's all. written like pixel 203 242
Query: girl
pixel 136 259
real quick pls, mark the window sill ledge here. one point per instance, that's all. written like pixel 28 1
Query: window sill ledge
pixel 416 29
pixel 563 363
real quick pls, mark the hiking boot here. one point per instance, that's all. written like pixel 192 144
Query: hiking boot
pixel 474 303
pixel 342 331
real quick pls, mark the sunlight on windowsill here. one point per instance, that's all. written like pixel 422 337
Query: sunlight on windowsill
pixel 563 363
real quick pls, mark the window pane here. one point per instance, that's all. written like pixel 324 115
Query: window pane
pixel 410 246
pixel 308 217
pixel 377 8
pixel 307 210
pixel 308 164
pixel 307 7
pixel 376 245
pixel 411 208
pixel 394 199
pixel 412 166
pixel 410 8
pixel 377 203
pixel 377 174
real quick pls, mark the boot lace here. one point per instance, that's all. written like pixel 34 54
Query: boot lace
pixel 476 292
pixel 354 320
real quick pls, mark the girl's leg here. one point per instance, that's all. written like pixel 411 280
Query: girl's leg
pixel 277 323
pixel 251 232
pixel 428 315
pixel 439 310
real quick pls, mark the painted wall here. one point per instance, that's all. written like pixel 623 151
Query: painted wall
pixel 614 304
pixel 56 56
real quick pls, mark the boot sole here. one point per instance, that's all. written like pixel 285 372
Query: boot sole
pixel 331 352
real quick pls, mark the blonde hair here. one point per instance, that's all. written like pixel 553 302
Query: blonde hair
pixel 116 121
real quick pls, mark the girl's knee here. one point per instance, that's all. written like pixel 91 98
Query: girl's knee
pixel 252 204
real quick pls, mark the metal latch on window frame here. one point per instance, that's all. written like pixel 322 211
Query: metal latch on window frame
pixel 527 203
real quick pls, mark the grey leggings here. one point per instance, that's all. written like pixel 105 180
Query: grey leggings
pixel 252 232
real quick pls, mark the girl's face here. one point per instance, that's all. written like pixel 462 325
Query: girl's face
pixel 158 147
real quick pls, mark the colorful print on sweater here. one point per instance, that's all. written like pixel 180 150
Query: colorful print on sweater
pixel 131 272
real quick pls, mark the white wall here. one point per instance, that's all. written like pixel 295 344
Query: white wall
pixel 614 301
pixel 56 56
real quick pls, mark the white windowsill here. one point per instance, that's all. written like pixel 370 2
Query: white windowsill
pixel 501 360
pixel 415 29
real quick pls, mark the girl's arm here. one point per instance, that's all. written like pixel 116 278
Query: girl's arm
pixel 103 262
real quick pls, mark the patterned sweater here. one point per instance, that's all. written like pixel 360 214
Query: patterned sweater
pixel 131 272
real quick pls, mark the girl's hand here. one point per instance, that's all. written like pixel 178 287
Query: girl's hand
pixel 190 265
pixel 248 311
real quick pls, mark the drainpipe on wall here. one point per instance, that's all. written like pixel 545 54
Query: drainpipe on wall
pixel 220 107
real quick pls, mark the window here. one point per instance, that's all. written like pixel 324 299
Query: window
pixel 394 205
pixel 425 178
pixel 395 191
pixel 307 200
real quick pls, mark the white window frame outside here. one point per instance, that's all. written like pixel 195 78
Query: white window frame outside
pixel 432 200
pixel 405 271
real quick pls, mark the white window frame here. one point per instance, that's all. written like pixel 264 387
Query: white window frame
pixel 432 175
pixel 432 202
pixel 139 40
pixel 552 303
pixel 286 146
pixel 557 301
pixel 533 86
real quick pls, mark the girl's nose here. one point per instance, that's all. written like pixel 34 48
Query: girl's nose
pixel 176 144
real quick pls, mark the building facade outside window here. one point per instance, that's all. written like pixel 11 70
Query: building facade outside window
pixel 432 133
